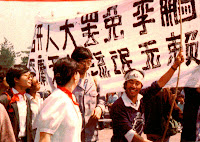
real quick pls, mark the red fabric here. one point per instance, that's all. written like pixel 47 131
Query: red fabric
pixel 68 93
pixel 8 97
pixel 15 97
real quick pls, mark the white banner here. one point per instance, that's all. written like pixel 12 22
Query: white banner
pixel 142 34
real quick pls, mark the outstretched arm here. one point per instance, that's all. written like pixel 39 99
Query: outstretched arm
pixel 167 76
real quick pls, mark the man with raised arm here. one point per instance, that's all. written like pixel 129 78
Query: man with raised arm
pixel 127 112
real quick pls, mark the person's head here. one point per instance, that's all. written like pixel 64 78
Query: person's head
pixel 66 69
pixel 3 82
pixel 180 98
pixel 133 82
pixel 83 56
pixel 19 76
pixel 35 85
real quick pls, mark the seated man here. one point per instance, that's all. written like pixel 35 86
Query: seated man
pixel 127 112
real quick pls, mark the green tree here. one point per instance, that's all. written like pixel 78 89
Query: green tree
pixel 25 58
pixel 7 55
pixel 24 61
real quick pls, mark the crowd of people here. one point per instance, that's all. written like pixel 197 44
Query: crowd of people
pixel 71 112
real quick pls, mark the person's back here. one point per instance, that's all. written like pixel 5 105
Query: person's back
pixel 59 119
pixel 156 111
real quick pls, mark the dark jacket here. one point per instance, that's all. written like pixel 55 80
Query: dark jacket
pixel 14 115
pixel 155 108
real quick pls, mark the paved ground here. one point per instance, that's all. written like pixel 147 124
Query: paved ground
pixel 106 134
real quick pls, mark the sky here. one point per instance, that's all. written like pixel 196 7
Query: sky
pixel 17 19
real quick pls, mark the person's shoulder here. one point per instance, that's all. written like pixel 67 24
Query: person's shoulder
pixel 3 96
pixel 1 107
pixel 57 93
pixel 54 102
pixel 118 103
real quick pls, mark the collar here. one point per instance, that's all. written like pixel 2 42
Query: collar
pixel 14 91
pixel 129 103
pixel 70 95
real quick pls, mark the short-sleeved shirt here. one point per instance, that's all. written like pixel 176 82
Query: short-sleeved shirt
pixel 60 117
pixel 127 116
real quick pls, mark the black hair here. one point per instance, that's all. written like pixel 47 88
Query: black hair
pixel 124 85
pixel 64 69
pixel 15 72
pixel 81 53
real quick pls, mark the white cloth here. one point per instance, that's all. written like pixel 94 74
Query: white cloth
pixel 135 74
pixel 60 117
pixel 129 135
pixel 22 110
pixel 35 105
pixel 129 103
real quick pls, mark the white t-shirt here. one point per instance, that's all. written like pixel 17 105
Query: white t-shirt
pixel 60 117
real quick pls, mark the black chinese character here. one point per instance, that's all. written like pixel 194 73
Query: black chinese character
pixel 191 47
pixel 150 55
pixel 41 70
pixel 114 56
pixel 142 10
pixel 104 73
pixel 67 31
pixel 89 18
pixel 111 22
pixel 124 52
pixel 32 64
pixel 39 36
pixel 49 38
pixel 170 11
pixel 173 47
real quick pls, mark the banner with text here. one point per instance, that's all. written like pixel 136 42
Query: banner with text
pixel 142 34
